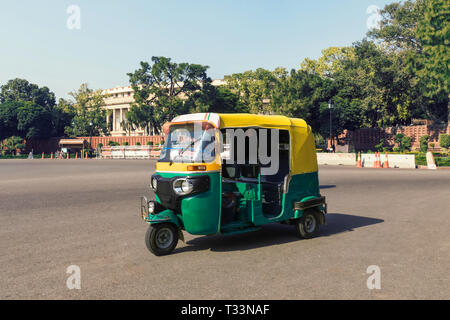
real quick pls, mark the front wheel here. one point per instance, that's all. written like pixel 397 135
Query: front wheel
pixel 161 239
pixel 308 225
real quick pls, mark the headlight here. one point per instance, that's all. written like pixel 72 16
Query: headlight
pixel 154 184
pixel 187 186
pixel 183 186
pixel 151 207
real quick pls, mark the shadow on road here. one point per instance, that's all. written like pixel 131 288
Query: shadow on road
pixel 274 234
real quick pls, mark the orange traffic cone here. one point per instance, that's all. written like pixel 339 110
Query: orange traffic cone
pixel 67 156
pixel 359 161
pixel 376 164
pixel 386 162
pixel 42 155
pixel 51 155
pixel 76 155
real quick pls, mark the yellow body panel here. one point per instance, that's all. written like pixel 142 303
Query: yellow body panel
pixel 303 149
pixel 183 167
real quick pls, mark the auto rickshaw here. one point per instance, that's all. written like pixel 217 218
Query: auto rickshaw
pixel 209 179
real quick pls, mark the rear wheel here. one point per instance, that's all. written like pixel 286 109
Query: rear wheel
pixel 308 225
pixel 161 239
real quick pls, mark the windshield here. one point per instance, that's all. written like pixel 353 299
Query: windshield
pixel 189 143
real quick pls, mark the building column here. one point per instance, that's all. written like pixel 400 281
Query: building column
pixel 114 120
pixel 121 118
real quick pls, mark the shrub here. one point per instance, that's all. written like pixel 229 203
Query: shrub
pixel 404 142
pixel 125 143
pixel 444 141
pixel 12 144
pixel 138 143
pixel 424 143
pixel 150 143
pixel 100 145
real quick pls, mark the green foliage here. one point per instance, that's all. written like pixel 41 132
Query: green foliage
pixel 20 90
pixel 380 146
pixel 100 145
pixel 138 143
pixel 113 143
pixel 403 143
pixel 89 117
pixel 125 143
pixel 444 141
pixel 424 143
pixel 160 90
pixel 149 143
pixel 12 144
pixel 431 63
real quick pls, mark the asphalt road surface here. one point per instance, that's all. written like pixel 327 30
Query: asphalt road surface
pixel 57 213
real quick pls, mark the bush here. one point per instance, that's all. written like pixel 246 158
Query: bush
pixel 444 140
pixel 404 142
pixel 424 143
pixel 100 145
pixel 125 143
pixel 138 143
pixel 150 143
pixel 12 144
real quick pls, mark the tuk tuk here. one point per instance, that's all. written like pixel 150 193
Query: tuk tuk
pixel 233 173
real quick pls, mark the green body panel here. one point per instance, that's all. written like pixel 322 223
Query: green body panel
pixel 302 187
pixel 200 212
pixel 164 216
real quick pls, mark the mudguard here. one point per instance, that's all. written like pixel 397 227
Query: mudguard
pixel 311 202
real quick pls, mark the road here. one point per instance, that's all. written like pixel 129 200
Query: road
pixel 57 213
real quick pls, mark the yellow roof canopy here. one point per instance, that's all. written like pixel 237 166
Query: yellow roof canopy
pixel 238 120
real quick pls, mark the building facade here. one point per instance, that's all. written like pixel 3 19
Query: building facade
pixel 117 102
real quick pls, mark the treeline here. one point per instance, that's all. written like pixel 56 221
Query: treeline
pixel 397 73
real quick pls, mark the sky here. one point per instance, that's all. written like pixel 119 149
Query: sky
pixel 40 40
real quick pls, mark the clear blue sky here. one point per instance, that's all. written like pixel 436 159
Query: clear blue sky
pixel 227 35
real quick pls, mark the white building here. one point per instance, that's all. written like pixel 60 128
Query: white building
pixel 118 101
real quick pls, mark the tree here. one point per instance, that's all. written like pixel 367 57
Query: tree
pixel 329 62
pixel 89 117
pixel 423 141
pixel 398 26
pixel 216 99
pixel 8 119
pixel 444 141
pixel 161 89
pixel 300 94
pixel 418 32
pixel 254 88
pixel 403 142
pixel 20 90
pixel 432 63
pixel 34 121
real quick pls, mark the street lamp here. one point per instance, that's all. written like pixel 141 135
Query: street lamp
pixel 330 106
pixel 90 136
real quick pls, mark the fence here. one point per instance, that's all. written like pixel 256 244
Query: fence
pixel 130 152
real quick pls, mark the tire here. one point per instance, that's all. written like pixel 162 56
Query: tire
pixel 161 239
pixel 308 225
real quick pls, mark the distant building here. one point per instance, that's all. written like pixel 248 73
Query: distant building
pixel 118 101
